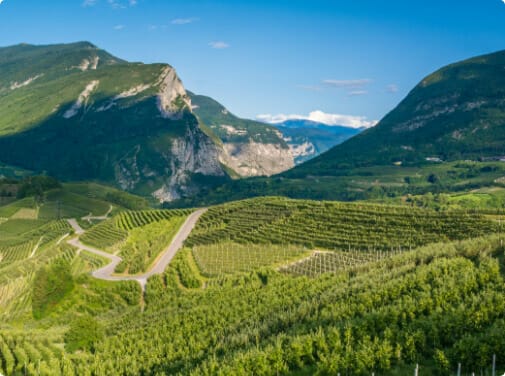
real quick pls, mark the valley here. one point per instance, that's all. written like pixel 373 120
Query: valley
pixel 307 267
pixel 335 207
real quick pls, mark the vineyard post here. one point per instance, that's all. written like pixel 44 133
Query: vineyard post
pixel 494 365
pixel 459 369
pixel 416 370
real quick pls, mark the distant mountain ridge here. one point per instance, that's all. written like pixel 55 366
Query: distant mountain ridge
pixel 250 148
pixel 307 139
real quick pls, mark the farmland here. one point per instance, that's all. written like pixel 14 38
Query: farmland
pixel 268 286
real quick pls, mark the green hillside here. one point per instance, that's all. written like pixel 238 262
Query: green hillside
pixel 455 113
pixel 124 124
pixel 219 119
pixel 267 287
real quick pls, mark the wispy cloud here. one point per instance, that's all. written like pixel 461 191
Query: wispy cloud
pixel 353 87
pixel 393 88
pixel 321 117
pixel 348 84
pixel 122 4
pixel 119 27
pixel 357 93
pixel 219 45
pixel 116 4
pixel 184 21
pixel 88 3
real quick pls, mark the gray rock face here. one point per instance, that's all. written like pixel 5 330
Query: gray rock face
pixel 257 159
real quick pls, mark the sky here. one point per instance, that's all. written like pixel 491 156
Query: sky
pixel 339 62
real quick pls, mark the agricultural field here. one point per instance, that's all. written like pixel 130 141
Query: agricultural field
pixel 335 226
pixel 264 286
pixel 115 231
pixel 143 244
pixel 231 257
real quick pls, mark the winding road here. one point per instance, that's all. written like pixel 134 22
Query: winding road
pixel 107 272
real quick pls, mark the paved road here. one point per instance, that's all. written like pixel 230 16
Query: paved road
pixel 106 273
pixel 77 229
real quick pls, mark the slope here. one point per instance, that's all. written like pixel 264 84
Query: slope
pixel 454 113
pixel 78 113
pixel 250 148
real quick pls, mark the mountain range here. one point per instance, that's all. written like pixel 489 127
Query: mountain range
pixel 435 140
pixel 307 139
pixel 76 112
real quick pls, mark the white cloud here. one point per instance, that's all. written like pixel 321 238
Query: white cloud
pixel 348 84
pixel 321 117
pixel 116 4
pixel 356 93
pixel 1 1
pixel 121 4
pixel 184 21
pixel 219 45
pixel 393 88
pixel 119 27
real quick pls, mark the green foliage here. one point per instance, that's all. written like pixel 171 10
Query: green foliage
pixel 185 270
pixel 127 200
pixel 36 186
pixel 111 233
pixel 51 285
pixel 98 144
pixel 84 334
pixel 145 243
pixel 386 316
pixel 378 183
pixel 334 226
pixel 233 257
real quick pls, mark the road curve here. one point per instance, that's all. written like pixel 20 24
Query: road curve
pixel 107 272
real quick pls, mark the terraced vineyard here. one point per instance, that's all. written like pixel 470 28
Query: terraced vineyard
pixel 115 230
pixel 15 253
pixel 330 262
pixel 231 257
pixel 334 226
pixel 145 243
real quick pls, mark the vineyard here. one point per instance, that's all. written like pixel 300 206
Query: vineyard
pixel 230 257
pixel 34 353
pixel 330 262
pixel 334 226
pixel 266 286
pixel 145 243
pixel 390 314
pixel 115 230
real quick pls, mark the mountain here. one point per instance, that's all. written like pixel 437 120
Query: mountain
pixel 76 112
pixel 308 139
pixel 250 148
pixel 447 135
pixel 454 113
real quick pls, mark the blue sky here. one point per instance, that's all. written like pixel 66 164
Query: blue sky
pixel 353 59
